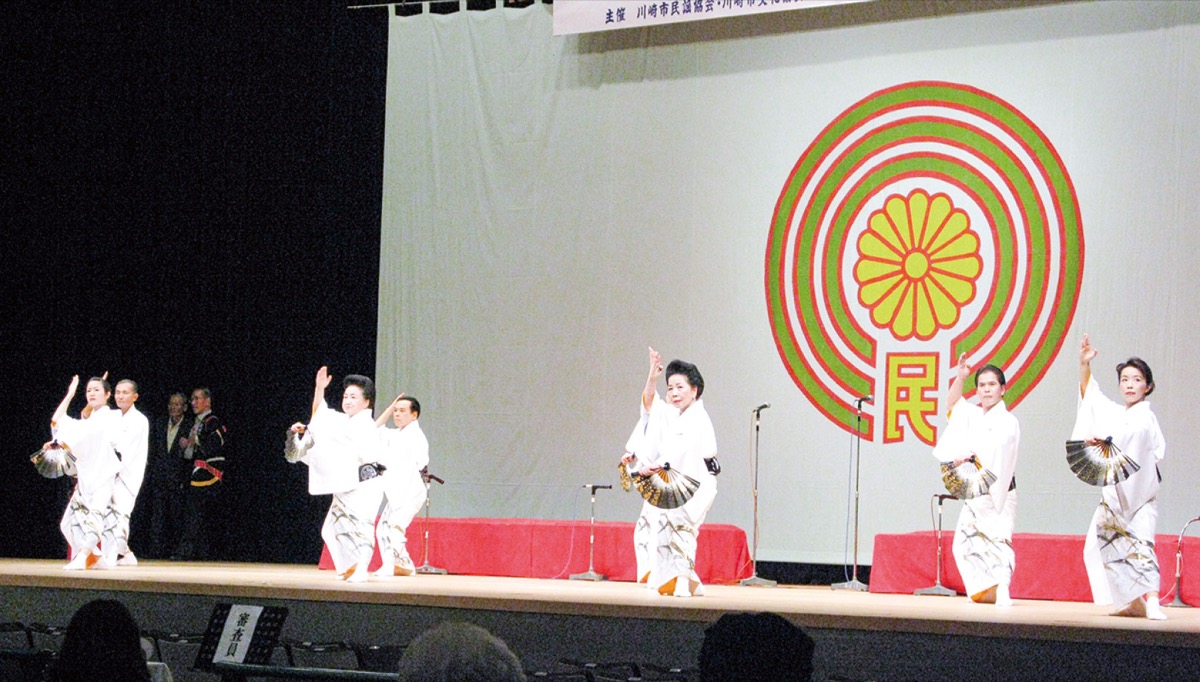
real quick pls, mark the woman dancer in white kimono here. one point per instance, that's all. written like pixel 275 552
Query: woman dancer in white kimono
pixel 335 446
pixel 988 432
pixel 89 456
pixel 1119 549
pixel 679 434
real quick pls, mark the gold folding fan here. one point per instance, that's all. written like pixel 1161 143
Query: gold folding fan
pixel 666 488
pixel 296 447
pixel 53 467
pixel 967 480
pixel 1101 464
pixel 623 472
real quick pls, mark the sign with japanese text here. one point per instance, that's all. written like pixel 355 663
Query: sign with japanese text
pixel 237 633
pixel 585 16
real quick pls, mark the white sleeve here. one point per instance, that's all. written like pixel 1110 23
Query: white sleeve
pixel 954 442
pixel 1094 412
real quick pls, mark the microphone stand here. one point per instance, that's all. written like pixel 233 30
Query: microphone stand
pixel 1179 567
pixel 856 443
pixel 591 573
pixel 426 568
pixel 754 580
pixel 938 590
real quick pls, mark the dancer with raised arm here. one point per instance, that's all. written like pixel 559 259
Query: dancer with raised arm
pixel 1119 548
pixel 405 454
pixel 345 462
pixel 987 436
pixel 680 438
pixel 87 453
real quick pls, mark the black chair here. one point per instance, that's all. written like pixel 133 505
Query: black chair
pixel 328 655
pixel 562 676
pixel 381 658
pixel 46 637
pixel 661 674
pixel 14 636
pixel 24 664
pixel 179 651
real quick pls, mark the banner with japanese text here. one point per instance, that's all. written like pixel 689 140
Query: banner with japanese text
pixel 583 16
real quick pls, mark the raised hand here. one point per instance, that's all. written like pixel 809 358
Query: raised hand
pixel 1087 352
pixel 61 411
pixel 963 369
pixel 656 365
pixel 387 412
pixel 656 370
pixel 324 378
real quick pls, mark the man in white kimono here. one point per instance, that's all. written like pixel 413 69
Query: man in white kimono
pixel 131 442
pixel 86 452
pixel 344 460
pixel 989 434
pixel 405 454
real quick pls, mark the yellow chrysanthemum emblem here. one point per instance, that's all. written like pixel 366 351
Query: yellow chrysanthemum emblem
pixel 918 264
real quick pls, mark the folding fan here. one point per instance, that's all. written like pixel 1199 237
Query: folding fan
pixel 1101 464
pixel 623 472
pixel 967 480
pixel 666 488
pixel 297 445
pixel 55 466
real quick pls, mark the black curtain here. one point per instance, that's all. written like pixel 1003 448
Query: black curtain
pixel 189 196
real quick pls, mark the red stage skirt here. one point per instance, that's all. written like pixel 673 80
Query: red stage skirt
pixel 533 548
pixel 1048 566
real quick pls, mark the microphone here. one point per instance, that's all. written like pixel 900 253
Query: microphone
pixel 597 486
pixel 864 399
pixel 760 408
pixel 943 498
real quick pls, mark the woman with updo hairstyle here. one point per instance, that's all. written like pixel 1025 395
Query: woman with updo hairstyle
pixel 675 433
pixel 988 434
pixel 102 644
pixel 83 448
pixel 1118 551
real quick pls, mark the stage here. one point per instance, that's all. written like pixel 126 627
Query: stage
pixel 859 635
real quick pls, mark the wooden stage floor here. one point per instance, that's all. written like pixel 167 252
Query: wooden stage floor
pixel 809 606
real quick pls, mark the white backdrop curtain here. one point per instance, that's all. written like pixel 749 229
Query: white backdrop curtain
pixel 554 205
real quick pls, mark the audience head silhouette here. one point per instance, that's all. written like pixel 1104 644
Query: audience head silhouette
pixel 102 644
pixel 459 652
pixel 755 646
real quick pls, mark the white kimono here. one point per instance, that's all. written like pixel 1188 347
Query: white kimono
pixel 1119 549
pixel 682 440
pixel 96 467
pixel 983 548
pixel 405 454
pixel 341 445
pixel 643 445
pixel 132 441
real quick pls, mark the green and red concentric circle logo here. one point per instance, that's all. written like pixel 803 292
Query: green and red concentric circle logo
pixel 929 219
